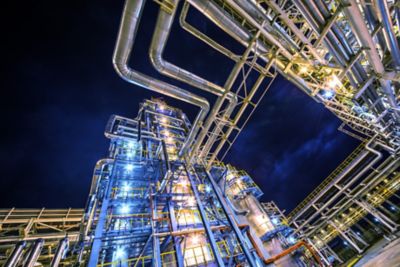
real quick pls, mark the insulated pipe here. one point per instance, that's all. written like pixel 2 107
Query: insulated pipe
pixel 15 256
pixel 158 43
pixel 129 24
pixel 159 40
pixel 391 39
pixel 264 32
pixel 60 252
pixel 237 31
pixel 359 27
pixel 34 253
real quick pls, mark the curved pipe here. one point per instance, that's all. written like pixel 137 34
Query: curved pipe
pixel 158 43
pixel 243 212
pixel 126 36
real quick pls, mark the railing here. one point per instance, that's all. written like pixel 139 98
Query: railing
pixel 327 181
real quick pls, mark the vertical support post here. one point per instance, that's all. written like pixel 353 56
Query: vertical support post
pixel 206 224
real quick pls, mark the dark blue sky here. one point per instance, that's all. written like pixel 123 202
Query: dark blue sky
pixel 59 88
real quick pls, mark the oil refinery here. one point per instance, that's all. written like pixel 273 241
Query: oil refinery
pixel 164 196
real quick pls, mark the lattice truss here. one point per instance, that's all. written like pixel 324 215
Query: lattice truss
pixel 336 51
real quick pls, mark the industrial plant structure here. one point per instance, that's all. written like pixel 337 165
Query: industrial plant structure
pixel 164 197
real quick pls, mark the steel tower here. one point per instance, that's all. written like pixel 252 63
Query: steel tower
pixel 164 197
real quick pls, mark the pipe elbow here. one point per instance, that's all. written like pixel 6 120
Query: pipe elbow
pixel 157 60
pixel 122 70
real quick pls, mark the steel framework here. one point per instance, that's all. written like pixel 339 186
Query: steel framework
pixel 163 195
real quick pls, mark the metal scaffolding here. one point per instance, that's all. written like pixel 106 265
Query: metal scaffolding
pixel 163 196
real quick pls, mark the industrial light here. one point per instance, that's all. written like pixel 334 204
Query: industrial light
pixel 328 94
pixel 291 239
pixel 332 82
pixel 195 239
pixel 120 253
pixel 345 243
pixel 191 201
pixel 129 154
pixel 275 220
pixel 166 133
pixel 124 209
pixel 208 189
pixel 376 220
pixel 392 208
pixel 164 120
pixel 131 144
pixel 161 107
pixel 129 167
pixel 303 70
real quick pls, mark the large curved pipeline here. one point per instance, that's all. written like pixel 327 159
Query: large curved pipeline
pixel 129 24
pixel 158 43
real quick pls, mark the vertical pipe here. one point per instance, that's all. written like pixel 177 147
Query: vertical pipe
pixel 15 256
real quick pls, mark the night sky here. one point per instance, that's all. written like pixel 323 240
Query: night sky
pixel 58 89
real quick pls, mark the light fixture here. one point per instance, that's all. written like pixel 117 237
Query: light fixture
pixel 328 94
pixel 129 167
pixel 194 239
pixel 208 189
pixel 120 253
pixel 332 82
pixel 275 220
pixel 131 145
pixel 303 69
pixel 191 201
pixel 124 209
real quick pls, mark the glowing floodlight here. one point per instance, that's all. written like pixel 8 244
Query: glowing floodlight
pixel 124 209
pixel 120 253
pixel 129 167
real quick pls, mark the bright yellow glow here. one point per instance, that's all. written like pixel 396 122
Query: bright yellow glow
pixel 333 82
pixel 164 120
pixel 303 70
